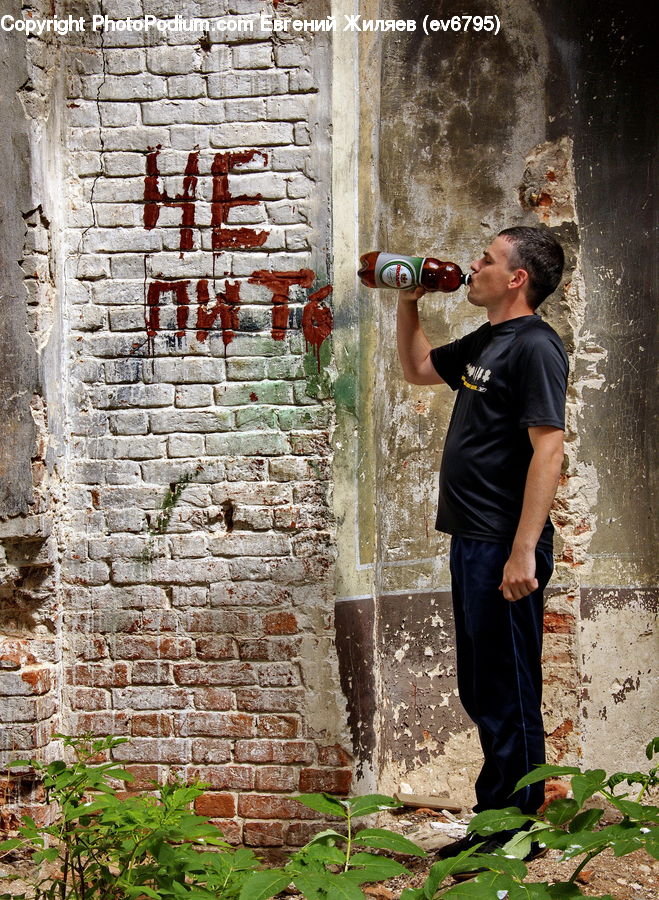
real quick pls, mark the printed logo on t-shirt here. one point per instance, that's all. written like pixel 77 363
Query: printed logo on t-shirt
pixel 476 378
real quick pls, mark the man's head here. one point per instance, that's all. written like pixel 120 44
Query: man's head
pixel 537 251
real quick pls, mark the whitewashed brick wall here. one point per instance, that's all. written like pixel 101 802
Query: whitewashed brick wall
pixel 195 529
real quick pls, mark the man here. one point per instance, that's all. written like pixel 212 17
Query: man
pixel 500 468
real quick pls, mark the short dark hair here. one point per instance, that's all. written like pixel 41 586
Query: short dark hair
pixel 538 252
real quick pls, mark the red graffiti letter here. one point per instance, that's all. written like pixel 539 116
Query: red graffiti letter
pixel 226 307
pixel 280 283
pixel 154 198
pixel 152 310
pixel 223 202
pixel 317 320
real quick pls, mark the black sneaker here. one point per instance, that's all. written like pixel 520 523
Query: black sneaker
pixel 459 846
pixel 536 852
pixel 493 844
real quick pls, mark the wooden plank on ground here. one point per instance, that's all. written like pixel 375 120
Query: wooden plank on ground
pixel 428 801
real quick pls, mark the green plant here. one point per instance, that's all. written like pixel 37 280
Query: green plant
pixel 569 825
pixel 171 500
pixel 333 866
pixel 103 846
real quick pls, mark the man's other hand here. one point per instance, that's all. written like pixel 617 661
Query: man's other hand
pixel 519 575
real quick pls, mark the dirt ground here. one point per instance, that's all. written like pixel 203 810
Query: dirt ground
pixel 632 877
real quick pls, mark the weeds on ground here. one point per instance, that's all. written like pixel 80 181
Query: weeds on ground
pixel 105 845
pixel 570 825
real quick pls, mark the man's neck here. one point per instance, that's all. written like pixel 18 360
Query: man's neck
pixel 511 310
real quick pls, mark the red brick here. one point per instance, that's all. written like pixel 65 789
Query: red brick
pixel 267 650
pixel 91 699
pixel 332 781
pixel 281 700
pixel 249 594
pixel 559 623
pixel 297 834
pixel 230 829
pixel 220 621
pixel 280 623
pixel 216 805
pixel 278 727
pixel 102 675
pixel 334 756
pixel 154 672
pixel 265 751
pixel 218 646
pixel 14 654
pixel 220 778
pixel 154 724
pixel 144 777
pixel 102 722
pixel 276 778
pixel 210 751
pixel 214 674
pixel 27 682
pixel 267 806
pixel 154 750
pixel 152 647
pixel 279 675
pixel 216 724
pixel 213 698
pixel 263 834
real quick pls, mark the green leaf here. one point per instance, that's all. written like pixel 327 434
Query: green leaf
pixel 573 844
pixel 381 839
pixel 519 845
pixel 341 887
pixel 327 835
pixel 263 885
pixel 369 867
pixel 584 786
pixel 651 842
pixel 372 803
pixel 491 821
pixel 500 862
pixel 136 890
pixel 10 844
pixel 561 811
pixel 312 886
pixel 323 803
pixel 652 748
pixel 413 894
pixel 445 867
pixel 486 886
pixel 638 812
pixel 586 820
pixel 565 890
pixel 327 854
pixel 540 773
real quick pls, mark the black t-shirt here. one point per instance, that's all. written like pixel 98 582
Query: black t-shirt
pixel 509 377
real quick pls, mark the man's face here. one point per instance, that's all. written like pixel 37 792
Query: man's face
pixel 491 275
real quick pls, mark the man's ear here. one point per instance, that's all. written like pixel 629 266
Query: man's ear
pixel 518 278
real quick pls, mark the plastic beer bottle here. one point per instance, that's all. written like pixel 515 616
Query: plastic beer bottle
pixel 391 270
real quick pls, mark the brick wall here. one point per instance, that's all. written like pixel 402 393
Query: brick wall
pixel 196 533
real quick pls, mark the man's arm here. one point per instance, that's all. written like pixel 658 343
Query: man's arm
pixel 413 346
pixel 541 483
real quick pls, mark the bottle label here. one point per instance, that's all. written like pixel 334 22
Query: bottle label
pixel 401 272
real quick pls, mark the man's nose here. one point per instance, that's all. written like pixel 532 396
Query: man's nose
pixel 474 265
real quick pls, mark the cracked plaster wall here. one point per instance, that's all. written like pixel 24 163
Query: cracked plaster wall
pixel 31 447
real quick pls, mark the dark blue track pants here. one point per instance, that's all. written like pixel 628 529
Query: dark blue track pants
pixel 498 648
